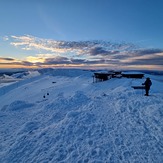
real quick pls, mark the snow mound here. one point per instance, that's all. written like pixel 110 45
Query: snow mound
pixel 18 105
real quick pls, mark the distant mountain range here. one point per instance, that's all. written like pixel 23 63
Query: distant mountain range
pixel 11 72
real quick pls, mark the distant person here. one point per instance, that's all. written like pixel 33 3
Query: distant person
pixel 147 84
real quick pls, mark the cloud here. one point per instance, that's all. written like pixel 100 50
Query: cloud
pixel 77 61
pixel 147 51
pixel 12 61
pixel 153 60
pixel 57 60
pixel 102 52
pixel 26 63
pixel 23 63
pixel 56 52
pixel 5 38
pixel 6 59
pixel 79 47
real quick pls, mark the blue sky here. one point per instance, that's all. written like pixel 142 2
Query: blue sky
pixel 81 33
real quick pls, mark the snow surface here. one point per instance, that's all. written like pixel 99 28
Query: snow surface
pixel 79 121
pixel 17 76
pixel 26 75
pixel 7 80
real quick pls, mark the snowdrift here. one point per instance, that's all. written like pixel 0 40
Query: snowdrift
pixel 63 117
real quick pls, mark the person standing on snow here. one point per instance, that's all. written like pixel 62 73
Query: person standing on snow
pixel 147 84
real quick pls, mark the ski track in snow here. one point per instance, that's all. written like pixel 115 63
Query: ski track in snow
pixel 80 121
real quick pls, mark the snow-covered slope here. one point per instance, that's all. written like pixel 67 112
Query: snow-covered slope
pixel 66 118
pixel 26 74
pixel 7 78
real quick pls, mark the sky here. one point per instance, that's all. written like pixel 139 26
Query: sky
pixel 111 34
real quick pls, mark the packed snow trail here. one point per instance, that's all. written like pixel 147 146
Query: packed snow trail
pixel 81 121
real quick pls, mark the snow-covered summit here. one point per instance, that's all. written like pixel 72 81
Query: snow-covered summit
pixel 26 74
pixel 61 116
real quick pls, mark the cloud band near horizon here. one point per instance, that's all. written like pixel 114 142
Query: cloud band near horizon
pixel 54 53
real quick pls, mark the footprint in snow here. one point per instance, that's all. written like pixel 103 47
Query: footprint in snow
pixel 29 127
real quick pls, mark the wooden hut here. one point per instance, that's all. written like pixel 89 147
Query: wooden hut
pixel 101 76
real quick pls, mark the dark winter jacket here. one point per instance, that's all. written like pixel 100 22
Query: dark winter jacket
pixel 147 83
